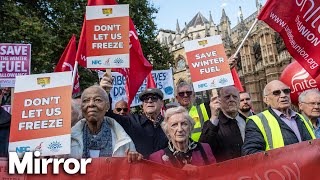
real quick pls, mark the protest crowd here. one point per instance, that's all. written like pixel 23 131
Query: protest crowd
pixel 177 132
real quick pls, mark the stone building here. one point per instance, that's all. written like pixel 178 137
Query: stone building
pixel 261 59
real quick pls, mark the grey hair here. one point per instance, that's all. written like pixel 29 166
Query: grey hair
pixel 176 110
pixel 182 84
pixel 104 94
pixel 305 93
pixel 265 93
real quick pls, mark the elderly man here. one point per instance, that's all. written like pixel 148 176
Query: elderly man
pixel 144 129
pixel 97 135
pixel 185 96
pixel 309 105
pixel 121 108
pixel 245 108
pixel 277 126
pixel 225 130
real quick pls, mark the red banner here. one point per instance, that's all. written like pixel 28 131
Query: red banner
pixel 298 22
pixel 298 161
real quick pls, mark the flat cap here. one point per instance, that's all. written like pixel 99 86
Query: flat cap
pixel 154 91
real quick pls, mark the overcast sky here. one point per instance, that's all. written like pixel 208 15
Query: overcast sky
pixel 185 10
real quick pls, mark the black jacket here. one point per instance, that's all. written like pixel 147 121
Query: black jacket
pixel 224 139
pixel 147 137
pixel 254 141
pixel 5 120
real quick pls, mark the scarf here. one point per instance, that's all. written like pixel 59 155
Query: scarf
pixel 179 158
pixel 102 141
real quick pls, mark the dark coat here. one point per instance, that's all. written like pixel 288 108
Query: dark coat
pixel 224 139
pixel 5 120
pixel 147 137
pixel 197 158
pixel 254 141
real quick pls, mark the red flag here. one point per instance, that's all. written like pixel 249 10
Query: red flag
pixel 150 81
pixel 139 66
pixel 67 62
pixel 299 25
pixel 236 80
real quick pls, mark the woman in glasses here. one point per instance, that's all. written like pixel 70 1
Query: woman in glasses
pixel 121 108
pixel 181 151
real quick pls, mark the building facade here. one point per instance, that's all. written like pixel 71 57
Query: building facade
pixel 261 59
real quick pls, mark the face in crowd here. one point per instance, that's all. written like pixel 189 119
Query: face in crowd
pixel 310 105
pixel 94 104
pixel 151 104
pixel 229 97
pixel 178 125
pixel 245 102
pixel 277 95
pixel 185 96
pixel 121 108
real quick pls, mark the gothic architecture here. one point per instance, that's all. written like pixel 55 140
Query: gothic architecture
pixel 261 59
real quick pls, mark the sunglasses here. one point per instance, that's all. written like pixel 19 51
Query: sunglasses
pixel 182 94
pixel 153 98
pixel 120 109
pixel 312 103
pixel 278 92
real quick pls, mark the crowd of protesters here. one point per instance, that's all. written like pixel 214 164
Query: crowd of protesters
pixel 186 135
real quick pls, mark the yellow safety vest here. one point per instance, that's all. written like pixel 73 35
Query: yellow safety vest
pixel 199 115
pixel 271 131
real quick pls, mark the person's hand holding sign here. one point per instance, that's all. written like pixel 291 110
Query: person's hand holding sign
pixel 215 106
pixel 107 81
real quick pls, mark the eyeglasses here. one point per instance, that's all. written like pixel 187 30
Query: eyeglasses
pixel 120 109
pixel 182 94
pixel 153 98
pixel 312 103
pixel 278 92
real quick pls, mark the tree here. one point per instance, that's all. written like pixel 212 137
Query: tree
pixel 49 24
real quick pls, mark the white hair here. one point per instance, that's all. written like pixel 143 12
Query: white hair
pixel 176 110
pixel 305 93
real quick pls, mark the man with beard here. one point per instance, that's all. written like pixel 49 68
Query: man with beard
pixel 245 108
pixel 309 104
pixel 224 132
pixel 277 126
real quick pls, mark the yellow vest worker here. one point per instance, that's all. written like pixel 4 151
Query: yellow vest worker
pixel 271 131
pixel 199 115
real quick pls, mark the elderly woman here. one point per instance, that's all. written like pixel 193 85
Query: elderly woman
pixel 181 150
pixel 96 135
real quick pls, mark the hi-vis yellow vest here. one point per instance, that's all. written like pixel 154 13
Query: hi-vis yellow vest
pixel 271 131
pixel 199 115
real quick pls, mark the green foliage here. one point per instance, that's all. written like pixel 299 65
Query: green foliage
pixel 49 24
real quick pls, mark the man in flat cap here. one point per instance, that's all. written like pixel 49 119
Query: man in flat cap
pixel 144 129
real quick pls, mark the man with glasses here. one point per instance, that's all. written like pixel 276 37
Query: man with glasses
pixel 144 129
pixel 185 96
pixel 309 105
pixel 121 108
pixel 277 126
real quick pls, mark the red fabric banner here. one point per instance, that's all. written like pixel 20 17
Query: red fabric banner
pixel 236 80
pixel 150 81
pixel 298 161
pixel 67 62
pixel 298 22
pixel 139 65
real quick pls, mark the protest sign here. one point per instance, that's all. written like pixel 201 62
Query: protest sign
pixel 208 63
pixel 107 32
pixel 41 114
pixel 15 61
pixel 162 78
